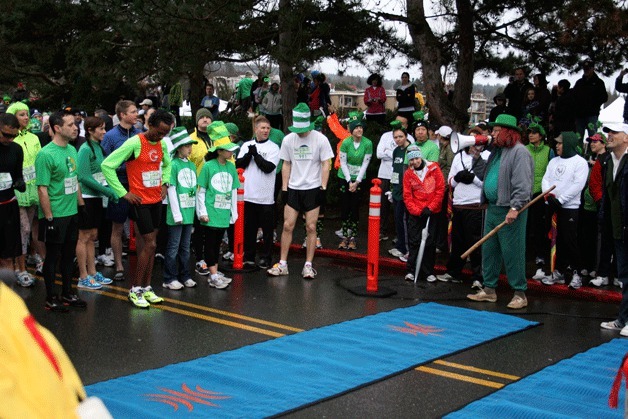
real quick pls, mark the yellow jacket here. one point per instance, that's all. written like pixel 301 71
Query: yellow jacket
pixel 199 150
pixel 37 379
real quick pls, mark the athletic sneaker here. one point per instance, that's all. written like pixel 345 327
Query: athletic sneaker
pixel 518 302
pixel 72 300
pixel 227 256
pixel 477 285
pixel 382 237
pixel 277 270
pixel 319 244
pixel 584 272
pixel 539 261
pixel 201 268
pixel 600 281
pixel 223 277
pixel 339 233
pixel 101 279
pixel 409 277
pixel 614 325
pixel 617 283
pixel 576 281
pixel 539 275
pixel 444 277
pixel 353 245
pixel 404 258
pixel 174 285
pixel 24 279
pixel 260 235
pixel 593 274
pixel 160 256
pixel 264 263
pixel 39 269
pixel 396 253
pixel 554 278
pixel 189 283
pixel 119 276
pixel 431 278
pixel 32 260
pixel 137 298
pixel 104 260
pixel 150 296
pixel 308 272
pixel 344 244
pixel 249 263
pixel 56 305
pixel 217 282
pixel 88 283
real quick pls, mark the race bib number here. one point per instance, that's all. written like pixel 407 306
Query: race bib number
pixel 151 179
pixel 187 201
pixel 100 178
pixel 5 181
pixel 354 170
pixel 394 178
pixel 303 153
pixel 222 202
pixel 28 173
pixel 70 185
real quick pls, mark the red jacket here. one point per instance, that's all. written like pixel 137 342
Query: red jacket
pixel 428 193
pixel 596 183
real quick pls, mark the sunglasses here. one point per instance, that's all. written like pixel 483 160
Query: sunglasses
pixel 8 136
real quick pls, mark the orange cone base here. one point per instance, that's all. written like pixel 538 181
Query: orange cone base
pixel 382 292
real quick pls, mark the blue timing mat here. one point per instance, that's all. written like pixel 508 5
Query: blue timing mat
pixel 577 387
pixel 282 374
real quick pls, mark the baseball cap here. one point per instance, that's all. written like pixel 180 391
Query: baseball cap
pixel 616 127
pixel 146 102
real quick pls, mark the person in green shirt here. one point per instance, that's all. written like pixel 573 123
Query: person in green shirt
pixel 399 166
pixel 180 212
pixel 60 199
pixel 216 204
pixel 94 188
pixel 429 150
pixel 355 155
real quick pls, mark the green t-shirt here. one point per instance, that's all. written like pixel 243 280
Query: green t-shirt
pixel 56 168
pixel 355 156
pixel 183 178
pixel 219 181
pixel 491 179
pixel 429 151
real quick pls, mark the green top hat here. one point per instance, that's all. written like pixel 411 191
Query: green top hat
pixel 301 119
pixel 355 120
pixel 418 116
pixel 226 146
pixel 506 121
pixel 218 130
pixel 180 137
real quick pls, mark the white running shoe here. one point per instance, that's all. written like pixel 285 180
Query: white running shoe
pixel 600 281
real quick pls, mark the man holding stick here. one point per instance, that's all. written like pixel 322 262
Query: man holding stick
pixel 507 188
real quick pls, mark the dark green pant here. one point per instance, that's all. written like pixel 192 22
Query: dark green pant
pixel 508 245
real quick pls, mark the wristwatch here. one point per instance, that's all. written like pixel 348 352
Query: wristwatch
pixel 50 219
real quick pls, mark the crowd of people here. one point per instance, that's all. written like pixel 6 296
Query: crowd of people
pixel 68 181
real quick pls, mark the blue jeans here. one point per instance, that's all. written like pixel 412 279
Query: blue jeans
pixel 621 252
pixel 177 262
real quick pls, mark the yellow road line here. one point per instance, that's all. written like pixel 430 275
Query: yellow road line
pixel 216 311
pixel 486 383
pixel 478 370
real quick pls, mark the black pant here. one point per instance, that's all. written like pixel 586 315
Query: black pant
pixel 441 224
pixel 162 232
pixel 415 228
pixel 538 229
pixel 199 240
pixel 104 235
pixel 567 253
pixel 62 253
pixel 466 230
pixel 256 216
pixel 212 245
pixel 587 238
pixel 606 251
pixel 385 208
pixel 350 204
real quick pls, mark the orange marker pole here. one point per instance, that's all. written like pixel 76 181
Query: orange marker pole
pixel 372 256
pixel 238 232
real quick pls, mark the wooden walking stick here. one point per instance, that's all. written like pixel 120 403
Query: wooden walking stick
pixel 499 227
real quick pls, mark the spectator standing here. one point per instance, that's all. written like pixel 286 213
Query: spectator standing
pixel 615 212
pixel 507 188
pixel 272 106
pixel 515 93
pixel 399 167
pixel 441 219
pixel 429 150
pixel 568 172
pixel 375 99
pixel 210 101
pixel 622 87
pixel 589 94
pixel 563 116
pixel 406 97
pixel 499 108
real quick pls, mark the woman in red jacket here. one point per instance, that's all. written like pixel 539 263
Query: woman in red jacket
pixel 375 99
pixel 423 190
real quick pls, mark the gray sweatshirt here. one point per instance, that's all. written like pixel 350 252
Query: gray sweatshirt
pixel 516 177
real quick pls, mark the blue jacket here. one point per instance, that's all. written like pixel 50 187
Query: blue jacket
pixel 112 140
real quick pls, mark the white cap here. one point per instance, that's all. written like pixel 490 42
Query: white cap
pixel 444 131
pixel 146 102
pixel 617 127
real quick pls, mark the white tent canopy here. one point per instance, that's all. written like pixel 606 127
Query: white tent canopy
pixel 613 112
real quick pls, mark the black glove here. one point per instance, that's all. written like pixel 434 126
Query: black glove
pixel 554 203
pixel 253 150
pixel 51 231
pixel 19 185
pixel 322 197
pixel 464 176
pixel 284 197
pixel 426 212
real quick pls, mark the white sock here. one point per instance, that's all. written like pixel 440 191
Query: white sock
pixel 283 263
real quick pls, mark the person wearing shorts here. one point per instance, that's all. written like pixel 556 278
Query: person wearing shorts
pixel 306 155
pixel 148 169
pixel 11 157
pixel 60 200
pixel 118 212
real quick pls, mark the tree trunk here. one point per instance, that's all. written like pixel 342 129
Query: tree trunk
pixel 429 50
pixel 286 70
pixel 197 91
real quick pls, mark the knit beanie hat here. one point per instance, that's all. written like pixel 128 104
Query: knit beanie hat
pixel 355 120
pixel 16 107
pixel 203 112
pixel 413 152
